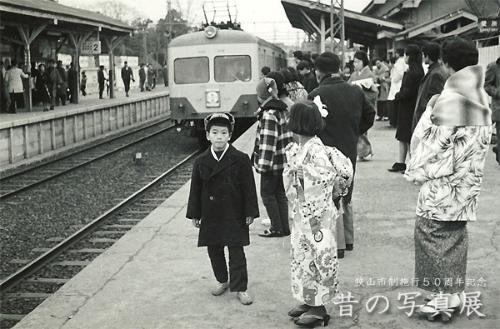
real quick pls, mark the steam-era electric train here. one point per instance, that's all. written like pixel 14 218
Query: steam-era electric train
pixel 217 70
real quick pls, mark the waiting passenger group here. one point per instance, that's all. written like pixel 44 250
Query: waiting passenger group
pixel 310 134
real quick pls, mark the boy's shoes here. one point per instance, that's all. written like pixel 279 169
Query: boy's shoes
pixel 349 246
pixel 270 234
pixel 340 253
pixel 220 288
pixel 244 297
pixel 397 167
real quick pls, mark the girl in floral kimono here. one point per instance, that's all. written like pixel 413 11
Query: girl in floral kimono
pixel 314 176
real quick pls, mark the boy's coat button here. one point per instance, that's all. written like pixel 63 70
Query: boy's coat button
pixel 211 198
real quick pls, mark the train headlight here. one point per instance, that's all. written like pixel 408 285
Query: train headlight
pixel 212 98
pixel 210 31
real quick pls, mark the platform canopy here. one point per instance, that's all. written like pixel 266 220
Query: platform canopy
pixel 314 18
pixel 58 17
pixel 23 21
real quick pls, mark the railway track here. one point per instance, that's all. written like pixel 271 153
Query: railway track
pixel 22 291
pixel 30 177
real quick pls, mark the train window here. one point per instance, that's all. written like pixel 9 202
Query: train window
pixel 191 70
pixel 233 68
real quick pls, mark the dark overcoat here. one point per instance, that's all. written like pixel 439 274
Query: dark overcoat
pixel 222 195
pixel 349 114
pixel 406 99
pixel 431 84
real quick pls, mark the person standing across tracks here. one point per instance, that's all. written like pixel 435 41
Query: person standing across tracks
pixel 314 176
pixel 127 75
pixel 101 80
pixel 349 115
pixel 222 204
pixel 14 82
pixel 448 153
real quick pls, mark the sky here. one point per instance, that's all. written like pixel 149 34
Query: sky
pixel 264 18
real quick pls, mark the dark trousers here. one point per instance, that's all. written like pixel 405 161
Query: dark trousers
pixel 274 199
pixel 126 84
pixel 141 84
pixel 382 109
pixel 16 101
pixel 237 266
pixel 392 111
pixel 101 90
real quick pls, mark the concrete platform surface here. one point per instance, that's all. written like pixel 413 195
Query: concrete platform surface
pixel 156 278
pixel 87 103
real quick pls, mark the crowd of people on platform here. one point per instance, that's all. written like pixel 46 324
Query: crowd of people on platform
pixel 312 129
pixel 55 84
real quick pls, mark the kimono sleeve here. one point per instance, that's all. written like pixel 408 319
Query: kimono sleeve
pixel 249 191
pixel 344 169
pixel 194 203
pixel 431 151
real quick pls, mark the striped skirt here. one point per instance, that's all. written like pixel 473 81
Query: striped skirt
pixel 440 255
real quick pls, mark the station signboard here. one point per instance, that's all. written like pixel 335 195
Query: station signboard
pixel 489 25
pixel 91 47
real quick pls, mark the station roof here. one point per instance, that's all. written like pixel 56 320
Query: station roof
pixel 35 10
pixel 359 28
pixel 438 21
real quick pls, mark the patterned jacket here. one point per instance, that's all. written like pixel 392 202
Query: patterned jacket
pixel 271 137
pixel 449 146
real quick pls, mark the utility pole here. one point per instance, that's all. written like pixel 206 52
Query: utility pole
pixel 337 26
pixel 169 28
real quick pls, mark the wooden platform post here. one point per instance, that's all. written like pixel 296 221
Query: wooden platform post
pixel 27 35
pixel 77 40
pixel 112 43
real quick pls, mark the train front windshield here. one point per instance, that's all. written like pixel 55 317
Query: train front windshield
pixel 191 70
pixel 232 68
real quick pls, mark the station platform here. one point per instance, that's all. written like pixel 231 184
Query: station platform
pixel 156 278
pixel 29 137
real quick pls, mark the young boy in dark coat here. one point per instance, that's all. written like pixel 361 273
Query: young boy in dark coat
pixel 222 204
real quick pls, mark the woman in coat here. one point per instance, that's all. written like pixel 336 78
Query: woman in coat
pixel 406 99
pixel 448 153
pixel 366 80
pixel 314 176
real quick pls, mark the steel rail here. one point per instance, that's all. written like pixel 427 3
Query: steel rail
pixel 64 245
pixel 64 171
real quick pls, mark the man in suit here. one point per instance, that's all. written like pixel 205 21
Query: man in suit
pixel 127 75
pixel 62 89
pixel 101 80
pixel 142 77
pixel 432 83
pixel 349 116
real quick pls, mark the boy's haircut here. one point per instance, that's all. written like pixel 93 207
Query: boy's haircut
pixel 327 62
pixel 219 120
pixel 305 119
pixel 400 52
pixel 459 53
pixel 433 50
pixel 265 70
pixel 362 56
pixel 303 65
